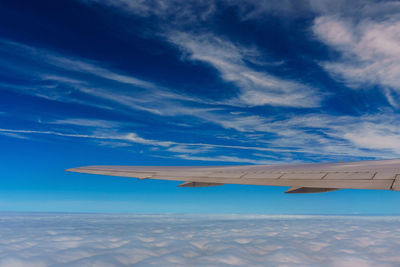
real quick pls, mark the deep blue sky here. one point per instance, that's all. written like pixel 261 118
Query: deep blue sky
pixel 170 82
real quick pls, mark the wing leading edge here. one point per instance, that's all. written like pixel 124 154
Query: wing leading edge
pixel 302 178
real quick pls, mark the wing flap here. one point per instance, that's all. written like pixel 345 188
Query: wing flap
pixel 308 190
pixel 198 184
pixel 350 184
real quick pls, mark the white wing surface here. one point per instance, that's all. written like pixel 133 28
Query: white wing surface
pixel 302 178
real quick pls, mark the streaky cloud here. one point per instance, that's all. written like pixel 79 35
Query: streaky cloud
pixel 369 45
pixel 86 122
pixel 256 88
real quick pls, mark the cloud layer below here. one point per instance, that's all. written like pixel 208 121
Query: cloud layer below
pixel 30 239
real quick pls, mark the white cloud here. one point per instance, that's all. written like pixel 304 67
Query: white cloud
pixel 157 102
pixel 256 88
pixel 113 144
pixel 72 64
pixel 189 149
pixel 17 262
pixel 226 159
pixel 321 134
pixel 375 136
pixel 86 123
pixel 47 133
pixel 370 56
pixel 38 239
pixel 334 31
pixel 370 48
pixel 342 134
pixel 137 139
pixel 14 135
pixel 66 86
pixel 106 135
pixel 311 135
pixel 114 139
pixel 366 33
pixel 173 11
pixel 86 67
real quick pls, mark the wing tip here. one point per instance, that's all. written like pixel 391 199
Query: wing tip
pixel 77 169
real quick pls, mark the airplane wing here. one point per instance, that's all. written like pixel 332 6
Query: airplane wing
pixel 302 178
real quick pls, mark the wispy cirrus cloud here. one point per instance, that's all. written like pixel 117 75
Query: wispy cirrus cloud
pixel 365 132
pixel 14 135
pixel 60 79
pixel 86 123
pixel 171 11
pixel 261 111
pixel 90 68
pixel 312 136
pixel 107 135
pixel 364 32
pixel 332 135
pixel 369 47
pixel 226 159
pixel 134 138
pixel 182 149
pixel 256 88
pixel 72 64
pixel 370 134
pixel 114 139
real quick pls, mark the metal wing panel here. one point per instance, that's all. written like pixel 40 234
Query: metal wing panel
pixel 350 175
pixel 304 175
pixel 357 175
pixel 262 175
pixel 121 171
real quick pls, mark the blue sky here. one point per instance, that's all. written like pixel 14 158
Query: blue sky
pixel 169 82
